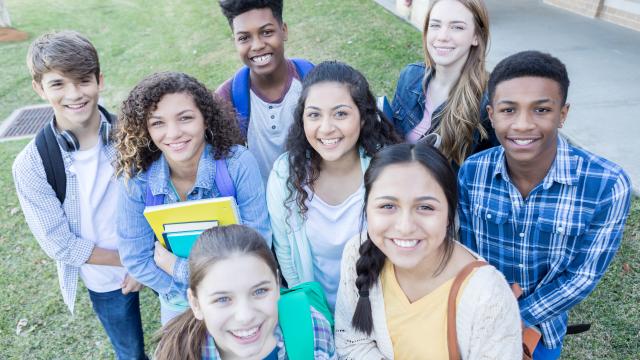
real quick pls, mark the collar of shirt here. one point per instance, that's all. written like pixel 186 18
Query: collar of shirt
pixel 66 155
pixel 159 174
pixel 564 169
pixel 210 351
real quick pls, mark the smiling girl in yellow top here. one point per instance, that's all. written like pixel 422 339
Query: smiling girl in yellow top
pixel 392 297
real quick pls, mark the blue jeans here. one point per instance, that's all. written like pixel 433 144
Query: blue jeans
pixel 171 306
pixel 542 353
pixel 120 317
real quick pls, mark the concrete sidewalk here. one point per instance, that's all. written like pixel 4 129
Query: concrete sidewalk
pixel 603 61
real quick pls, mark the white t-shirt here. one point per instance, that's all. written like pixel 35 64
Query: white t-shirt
pixel 329 227
pixel 98 195
pixel 269 126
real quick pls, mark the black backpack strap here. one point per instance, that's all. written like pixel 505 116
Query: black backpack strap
pixel 52 161
pixel 111 118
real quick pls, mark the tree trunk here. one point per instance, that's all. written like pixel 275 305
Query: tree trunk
pixel 5 21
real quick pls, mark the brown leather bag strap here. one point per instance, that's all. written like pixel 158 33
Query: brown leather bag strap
pixel 452 336
pixel 530 335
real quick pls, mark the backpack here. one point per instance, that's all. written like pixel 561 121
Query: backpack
pixel 240 91
pixel 49 150
pixel 530 335
pixel 222 179
pixel 294 315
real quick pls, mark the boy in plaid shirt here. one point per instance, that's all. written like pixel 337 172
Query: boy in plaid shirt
pixel 77 229
pixel 549 215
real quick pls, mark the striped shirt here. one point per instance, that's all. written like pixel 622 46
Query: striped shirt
pixel 323 344
pixel 556 243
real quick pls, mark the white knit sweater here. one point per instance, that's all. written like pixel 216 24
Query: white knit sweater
pixel 487 317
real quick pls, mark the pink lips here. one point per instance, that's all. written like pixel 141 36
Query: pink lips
pixel 182 146
pixel 76 107
pixel 250 339
pixel 443 51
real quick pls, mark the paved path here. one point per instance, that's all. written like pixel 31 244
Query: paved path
pixel 603 61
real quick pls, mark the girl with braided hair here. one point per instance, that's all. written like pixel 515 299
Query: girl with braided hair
pixel 396 278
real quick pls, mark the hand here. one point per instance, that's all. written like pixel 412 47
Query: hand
pixel 129 284
pixel 164 259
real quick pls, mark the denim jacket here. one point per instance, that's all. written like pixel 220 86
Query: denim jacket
pixel 408 107
pixel 135 236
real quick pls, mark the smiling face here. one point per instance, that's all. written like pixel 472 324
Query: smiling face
pixel 450 34
pixel 74 101
pixel 177 128
pixel 526 113
pixel 259 39
pixel 240 312
pixel 407 216
pixel 331 121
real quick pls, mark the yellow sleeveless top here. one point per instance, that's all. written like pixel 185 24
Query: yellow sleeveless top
pixel 418 330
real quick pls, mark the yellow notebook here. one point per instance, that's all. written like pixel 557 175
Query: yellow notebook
pixel 224 210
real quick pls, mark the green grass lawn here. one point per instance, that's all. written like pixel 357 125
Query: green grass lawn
pixel 135 38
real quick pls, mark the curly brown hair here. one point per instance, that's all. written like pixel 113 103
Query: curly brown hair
pixel 135 149
pixel 376 131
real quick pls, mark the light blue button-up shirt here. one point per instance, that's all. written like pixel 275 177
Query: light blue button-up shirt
pixel 136 238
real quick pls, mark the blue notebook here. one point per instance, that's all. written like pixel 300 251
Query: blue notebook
pixel 180 237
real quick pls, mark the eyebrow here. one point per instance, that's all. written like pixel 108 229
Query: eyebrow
pixel 261 28
pixel 178 114
pixel 419 198
pixel 261 283
pixel 333 108
pixel 537 102
pixel 452 22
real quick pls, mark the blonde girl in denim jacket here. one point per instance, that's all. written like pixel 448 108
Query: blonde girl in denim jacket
pixel 445 94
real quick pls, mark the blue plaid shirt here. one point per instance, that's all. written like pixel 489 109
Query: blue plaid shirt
pixel 557 243
pixel 323 345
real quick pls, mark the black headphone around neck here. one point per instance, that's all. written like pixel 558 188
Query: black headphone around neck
pixel 69 142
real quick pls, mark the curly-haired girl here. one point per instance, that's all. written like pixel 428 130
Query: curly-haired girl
pixel 315 189
pixel 172 135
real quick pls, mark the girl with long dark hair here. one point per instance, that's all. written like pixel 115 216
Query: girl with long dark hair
pixel 315 190
pixel 396 278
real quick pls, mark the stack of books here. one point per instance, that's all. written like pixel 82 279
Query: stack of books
pixel 177 226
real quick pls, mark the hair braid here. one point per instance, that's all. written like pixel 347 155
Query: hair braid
pixel 368 269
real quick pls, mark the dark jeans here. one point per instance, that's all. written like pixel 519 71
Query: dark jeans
pixel 120 317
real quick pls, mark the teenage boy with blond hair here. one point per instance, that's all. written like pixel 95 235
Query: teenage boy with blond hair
pixel 64 180
pixel 265 91
pixel 547 214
